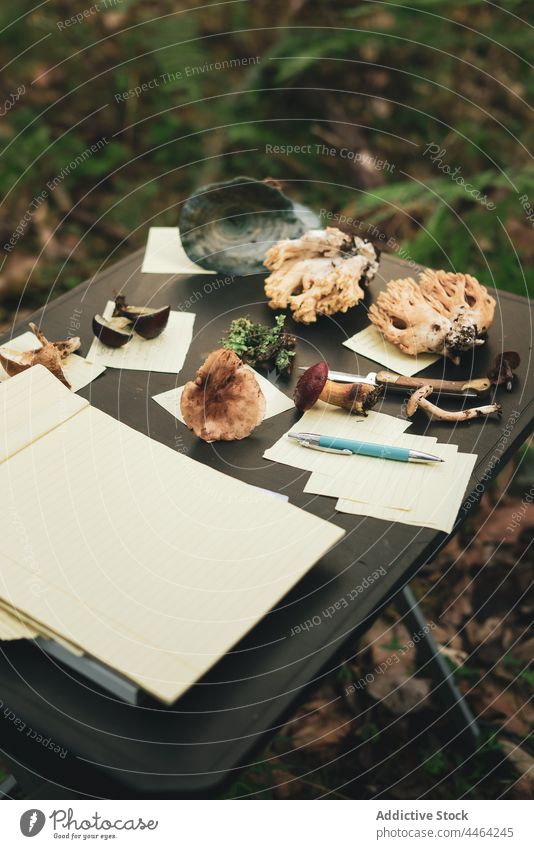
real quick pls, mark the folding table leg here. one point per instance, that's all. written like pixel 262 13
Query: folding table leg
pixel 445 689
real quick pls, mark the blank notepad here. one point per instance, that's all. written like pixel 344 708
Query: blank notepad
pixel 146 559
pixel 370 343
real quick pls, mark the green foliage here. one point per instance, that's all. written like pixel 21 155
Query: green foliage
pixel 259 344
pixel 384 80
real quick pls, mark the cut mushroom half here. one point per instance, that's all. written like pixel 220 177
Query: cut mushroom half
pixel 419 400
pixel 148 322
pixel 113 332
pixel 50 355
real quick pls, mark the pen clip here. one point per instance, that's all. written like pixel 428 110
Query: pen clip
pixel 306 444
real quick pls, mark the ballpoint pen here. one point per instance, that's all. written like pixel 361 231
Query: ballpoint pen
pixel 338 445
pixel 399 383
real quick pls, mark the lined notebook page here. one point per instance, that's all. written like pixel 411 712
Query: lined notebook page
pixel 370 343
pixel 332 421
pixel 388 482
pixel 31 404
pixel 146 559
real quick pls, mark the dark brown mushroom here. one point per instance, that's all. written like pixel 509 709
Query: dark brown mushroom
pixel 148 322
pixel 314 385
pixel 503 369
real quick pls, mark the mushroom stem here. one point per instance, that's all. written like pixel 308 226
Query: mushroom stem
pixel 355 397
pixel 419 400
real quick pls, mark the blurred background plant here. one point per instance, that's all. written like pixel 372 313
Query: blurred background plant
pixel 391 104
pixel 365 87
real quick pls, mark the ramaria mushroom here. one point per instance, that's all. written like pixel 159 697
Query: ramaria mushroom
pixel 148 322
pixel 50 355
pixel 113 332
pixel 418 400
pixel 314 385
pixel 445 314
pixel 224 401
pixel 503 368
pixel 321 273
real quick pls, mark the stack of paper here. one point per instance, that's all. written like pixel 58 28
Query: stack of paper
pixel 422 494
pixel 130 552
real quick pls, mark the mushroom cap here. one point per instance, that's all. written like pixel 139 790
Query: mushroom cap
pixel 310 386
pixel 413 401
pixel 503 366
pixel 224 401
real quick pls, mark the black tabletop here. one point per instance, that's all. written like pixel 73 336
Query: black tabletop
pixel 216 727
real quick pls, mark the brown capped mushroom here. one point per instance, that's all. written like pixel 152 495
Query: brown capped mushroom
pixel 314 385
pixel 224 401
pixel 50 355
pixel 419 400
pixel 503 369
pixel 445 314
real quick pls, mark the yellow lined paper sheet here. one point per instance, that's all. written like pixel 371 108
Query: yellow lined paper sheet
pixel 146 559
pixel 275 400
pixel 30 407
pixel 370 343
pixel 389 483
pixel 437 503
pixel 165 254
pixel 332 421
pixel 78 371
pixel 165 353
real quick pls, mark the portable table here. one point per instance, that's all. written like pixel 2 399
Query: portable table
pixel 218 726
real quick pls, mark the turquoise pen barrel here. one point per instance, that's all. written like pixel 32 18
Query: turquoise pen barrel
pixel 368 449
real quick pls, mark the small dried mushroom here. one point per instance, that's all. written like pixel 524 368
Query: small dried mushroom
pixel 314 385
pixel 321 273
pixel 50 354
pixel 445 314
pixel 503 369
pixel 224 401
pixel 419 400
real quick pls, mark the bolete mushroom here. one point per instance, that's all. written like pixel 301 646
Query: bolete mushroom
pixel 445 314
pixel 419 400
pixel 503 368
pixel 50 355
pixel 314 385
pixel 224 401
